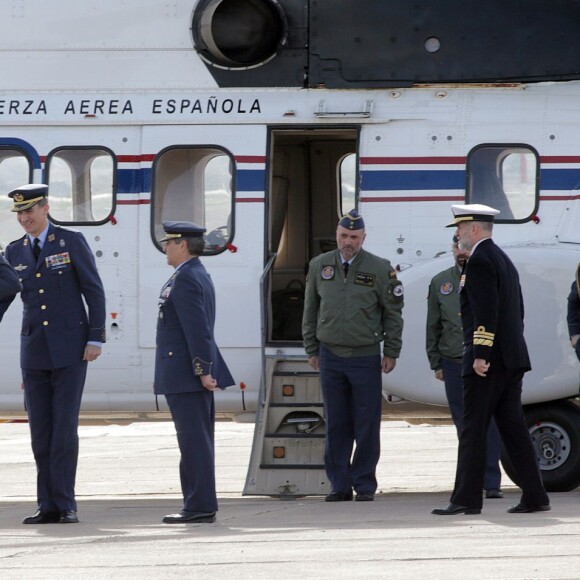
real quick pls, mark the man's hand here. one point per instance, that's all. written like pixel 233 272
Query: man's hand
pixel 574 340
pixel 439 375
pixel 388 364
pixel 92 352
pixel 314 362
pixel 208 382
pixel 480 366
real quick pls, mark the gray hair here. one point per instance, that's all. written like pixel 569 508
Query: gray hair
pixel 195 246
pixel 486 226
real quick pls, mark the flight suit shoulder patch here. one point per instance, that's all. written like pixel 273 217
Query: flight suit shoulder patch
pixel 398 291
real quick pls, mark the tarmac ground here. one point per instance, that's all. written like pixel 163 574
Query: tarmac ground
pixel 128 480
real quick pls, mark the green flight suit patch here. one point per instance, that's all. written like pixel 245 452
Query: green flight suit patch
pixel 365 279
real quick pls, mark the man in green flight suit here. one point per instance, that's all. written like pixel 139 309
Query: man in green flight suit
pixel 353 302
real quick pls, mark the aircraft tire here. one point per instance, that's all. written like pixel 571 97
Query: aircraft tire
pixel 555 431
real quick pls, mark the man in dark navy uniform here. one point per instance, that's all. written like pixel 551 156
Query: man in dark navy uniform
pixel 573 317
pixel 9 283
pixel 495 359
pixel 58 339
pixel 445 351
pixel 189 368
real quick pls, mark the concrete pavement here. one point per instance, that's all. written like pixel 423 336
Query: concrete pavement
pixel 128 480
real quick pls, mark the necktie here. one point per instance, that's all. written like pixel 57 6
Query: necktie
pixel 345 265
pixel 36 248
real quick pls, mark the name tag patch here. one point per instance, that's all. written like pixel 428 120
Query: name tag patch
pixel 57 261
pixel 364 279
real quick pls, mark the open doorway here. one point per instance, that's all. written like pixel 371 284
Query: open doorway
pixel 313 177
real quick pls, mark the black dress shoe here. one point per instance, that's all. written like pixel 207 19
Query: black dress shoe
pixel 68 517
pixel 184 517
pixel 493 494
pixel 338 496
pixel 523 508
pixel 42 517
pixel 365 497
pixel 453 509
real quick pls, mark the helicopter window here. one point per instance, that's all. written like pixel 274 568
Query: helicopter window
pixel 15 170
pixel 347 175
pixel 505 177
pixel 81 185
pixel 195 184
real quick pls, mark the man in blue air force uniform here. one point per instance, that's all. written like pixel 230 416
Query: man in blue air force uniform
pixel 58 339
pixel 189 368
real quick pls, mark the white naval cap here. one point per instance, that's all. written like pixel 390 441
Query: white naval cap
pixel 472 212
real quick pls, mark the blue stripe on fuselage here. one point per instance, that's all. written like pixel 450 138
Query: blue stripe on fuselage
pixel 139 180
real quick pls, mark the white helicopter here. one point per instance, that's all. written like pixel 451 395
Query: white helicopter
pixel 265 120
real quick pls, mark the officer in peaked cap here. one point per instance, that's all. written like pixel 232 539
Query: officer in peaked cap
pixel 444 342
pixel 495 359
pixel 27 196
pixel 353 302
pixel 60 335
pixel 189 367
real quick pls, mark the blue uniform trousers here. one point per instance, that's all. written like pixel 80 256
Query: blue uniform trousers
pixel 352 392
pixel 497 395
pixel 454 391
pixel 193 415
pixel 53 401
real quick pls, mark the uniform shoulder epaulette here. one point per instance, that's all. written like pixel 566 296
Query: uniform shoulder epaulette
pixel 61 230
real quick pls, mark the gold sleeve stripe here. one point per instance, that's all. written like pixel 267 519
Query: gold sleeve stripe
pixel 489 335
pixel 483 338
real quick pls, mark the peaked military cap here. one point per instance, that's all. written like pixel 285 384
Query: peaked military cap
pixel 352 221
pixel 177 230
pixel 26 196
pixel 472 212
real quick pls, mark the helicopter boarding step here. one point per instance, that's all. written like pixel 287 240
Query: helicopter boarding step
pixel 287 457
